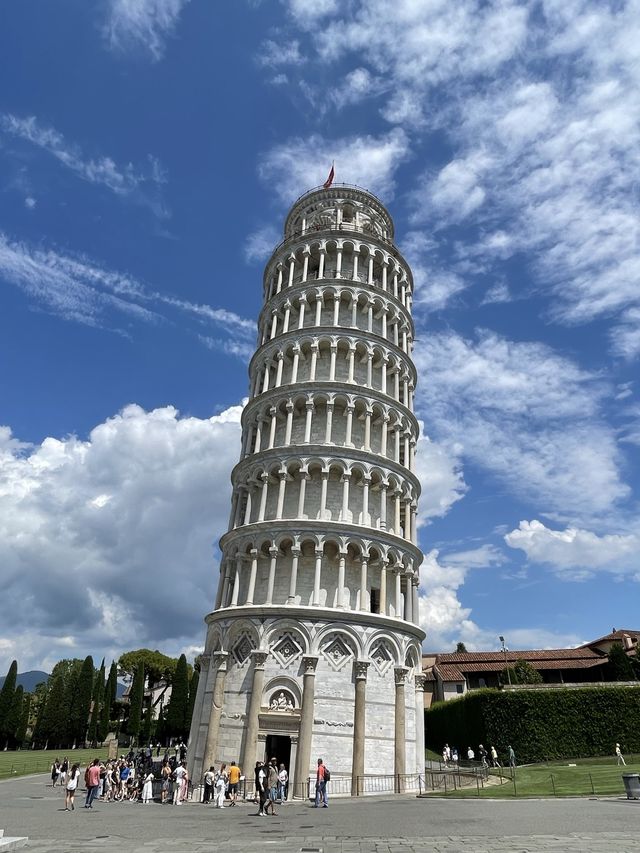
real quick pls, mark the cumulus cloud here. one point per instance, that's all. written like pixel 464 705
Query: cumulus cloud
pixel 142 25
pixel 126 180
pixel 526 415
pixel 440 473
pixel 295 166
pixel 575 553
pixel 111 540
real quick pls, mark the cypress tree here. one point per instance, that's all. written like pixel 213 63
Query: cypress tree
pixel 13 718
pixel 80 705
pixel 111 690
pixel 6 699
pixel 98 697
pixel 136 697
pixel 53 720
pixel 179 702
pixel 193 689
pixel 23 725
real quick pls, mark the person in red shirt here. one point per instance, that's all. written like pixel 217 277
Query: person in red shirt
pixel 92 777
pixel 321 787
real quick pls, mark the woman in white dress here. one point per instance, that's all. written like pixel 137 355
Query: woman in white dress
pixel 147 789
pixel 221 787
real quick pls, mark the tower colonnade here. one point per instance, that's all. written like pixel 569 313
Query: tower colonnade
pixel 314 644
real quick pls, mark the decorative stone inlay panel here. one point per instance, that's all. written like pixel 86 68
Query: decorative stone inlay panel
pixel 337 653
pixel 287 650
pixel 242 649
pixel 382 657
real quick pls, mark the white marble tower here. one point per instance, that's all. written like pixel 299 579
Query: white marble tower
pixel 313 648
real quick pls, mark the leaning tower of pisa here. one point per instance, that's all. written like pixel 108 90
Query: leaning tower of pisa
pixel 314 648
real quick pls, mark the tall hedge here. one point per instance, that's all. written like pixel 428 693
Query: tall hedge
pixel 540 724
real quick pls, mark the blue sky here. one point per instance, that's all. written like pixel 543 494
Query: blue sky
pixel 149 150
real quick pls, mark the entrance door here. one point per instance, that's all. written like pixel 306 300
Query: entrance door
pixel 279 747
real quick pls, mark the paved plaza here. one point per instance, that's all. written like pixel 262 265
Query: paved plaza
pixel 370 825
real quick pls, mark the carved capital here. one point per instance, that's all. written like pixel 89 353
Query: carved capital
pixel 220 660
pixel 400 673
pixel 360 668
pixel 421 680
pixel 259 658
pixel 309 662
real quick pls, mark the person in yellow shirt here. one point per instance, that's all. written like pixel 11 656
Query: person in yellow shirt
pixel 234 779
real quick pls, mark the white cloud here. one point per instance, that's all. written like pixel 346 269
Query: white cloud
pixel 142 25
pixel 30 202
pixel 260 244
pixel 526 415
pixel 275 53
pixel 83 291
pixel 496 294
pixel 441 478
pixel 625 337
pixel 308 12
pixel 123 180
pixel 111 540
pixel 576 553
pixel 296 166
pixel 435 284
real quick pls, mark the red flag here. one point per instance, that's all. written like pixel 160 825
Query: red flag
pixel 329 180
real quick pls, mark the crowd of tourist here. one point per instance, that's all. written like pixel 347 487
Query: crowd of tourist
pixel 485 758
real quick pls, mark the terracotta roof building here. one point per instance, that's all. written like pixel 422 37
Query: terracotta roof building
pixel 451 675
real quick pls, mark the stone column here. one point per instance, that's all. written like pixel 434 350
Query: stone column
pixel 194 731
pixel 293 578
pixel 215 714
pixel 303 758
pixel 420 682
pixel 253 717
pixel 359 725
pixel 399 765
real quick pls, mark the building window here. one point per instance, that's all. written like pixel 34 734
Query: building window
pixel 482 682
pixel 459 688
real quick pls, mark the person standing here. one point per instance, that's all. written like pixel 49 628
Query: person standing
pixel 70 790
pixel 55 772
pixel 147 789
pixel 321 786
pixel 283 781
pixel 209 779
pixel 259 777
pixel 93 782
pixel 620 756
pixel 234 779
pixel 272 786
pixel 181 784
pixel 221 786
pixel 494 757
pixel 512 756
pixel 470 754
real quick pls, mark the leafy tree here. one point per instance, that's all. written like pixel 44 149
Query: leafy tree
pixel 156 665
pixel 460 648
pixel 23 725
pixel 620 664
pixel 521 673
pixel 96 709
pixel 13 717
pixel 179 701
pixel 136 696
pixel 111 690
pixel 6 699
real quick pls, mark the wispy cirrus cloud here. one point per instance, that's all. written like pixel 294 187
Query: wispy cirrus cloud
pixel 124 180
pixel 78 289
pixel 141 25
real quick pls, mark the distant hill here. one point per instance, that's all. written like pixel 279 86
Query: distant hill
pixel 28 680
pixel 31 679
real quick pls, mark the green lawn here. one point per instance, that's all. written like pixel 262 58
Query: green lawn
pixel 25 761
pixel 590 777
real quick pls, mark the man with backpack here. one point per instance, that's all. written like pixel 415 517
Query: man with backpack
pixel 322 777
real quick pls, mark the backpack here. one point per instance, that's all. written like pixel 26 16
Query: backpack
pixel 327 774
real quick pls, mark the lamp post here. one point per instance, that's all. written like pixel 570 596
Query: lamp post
pixel 506 665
